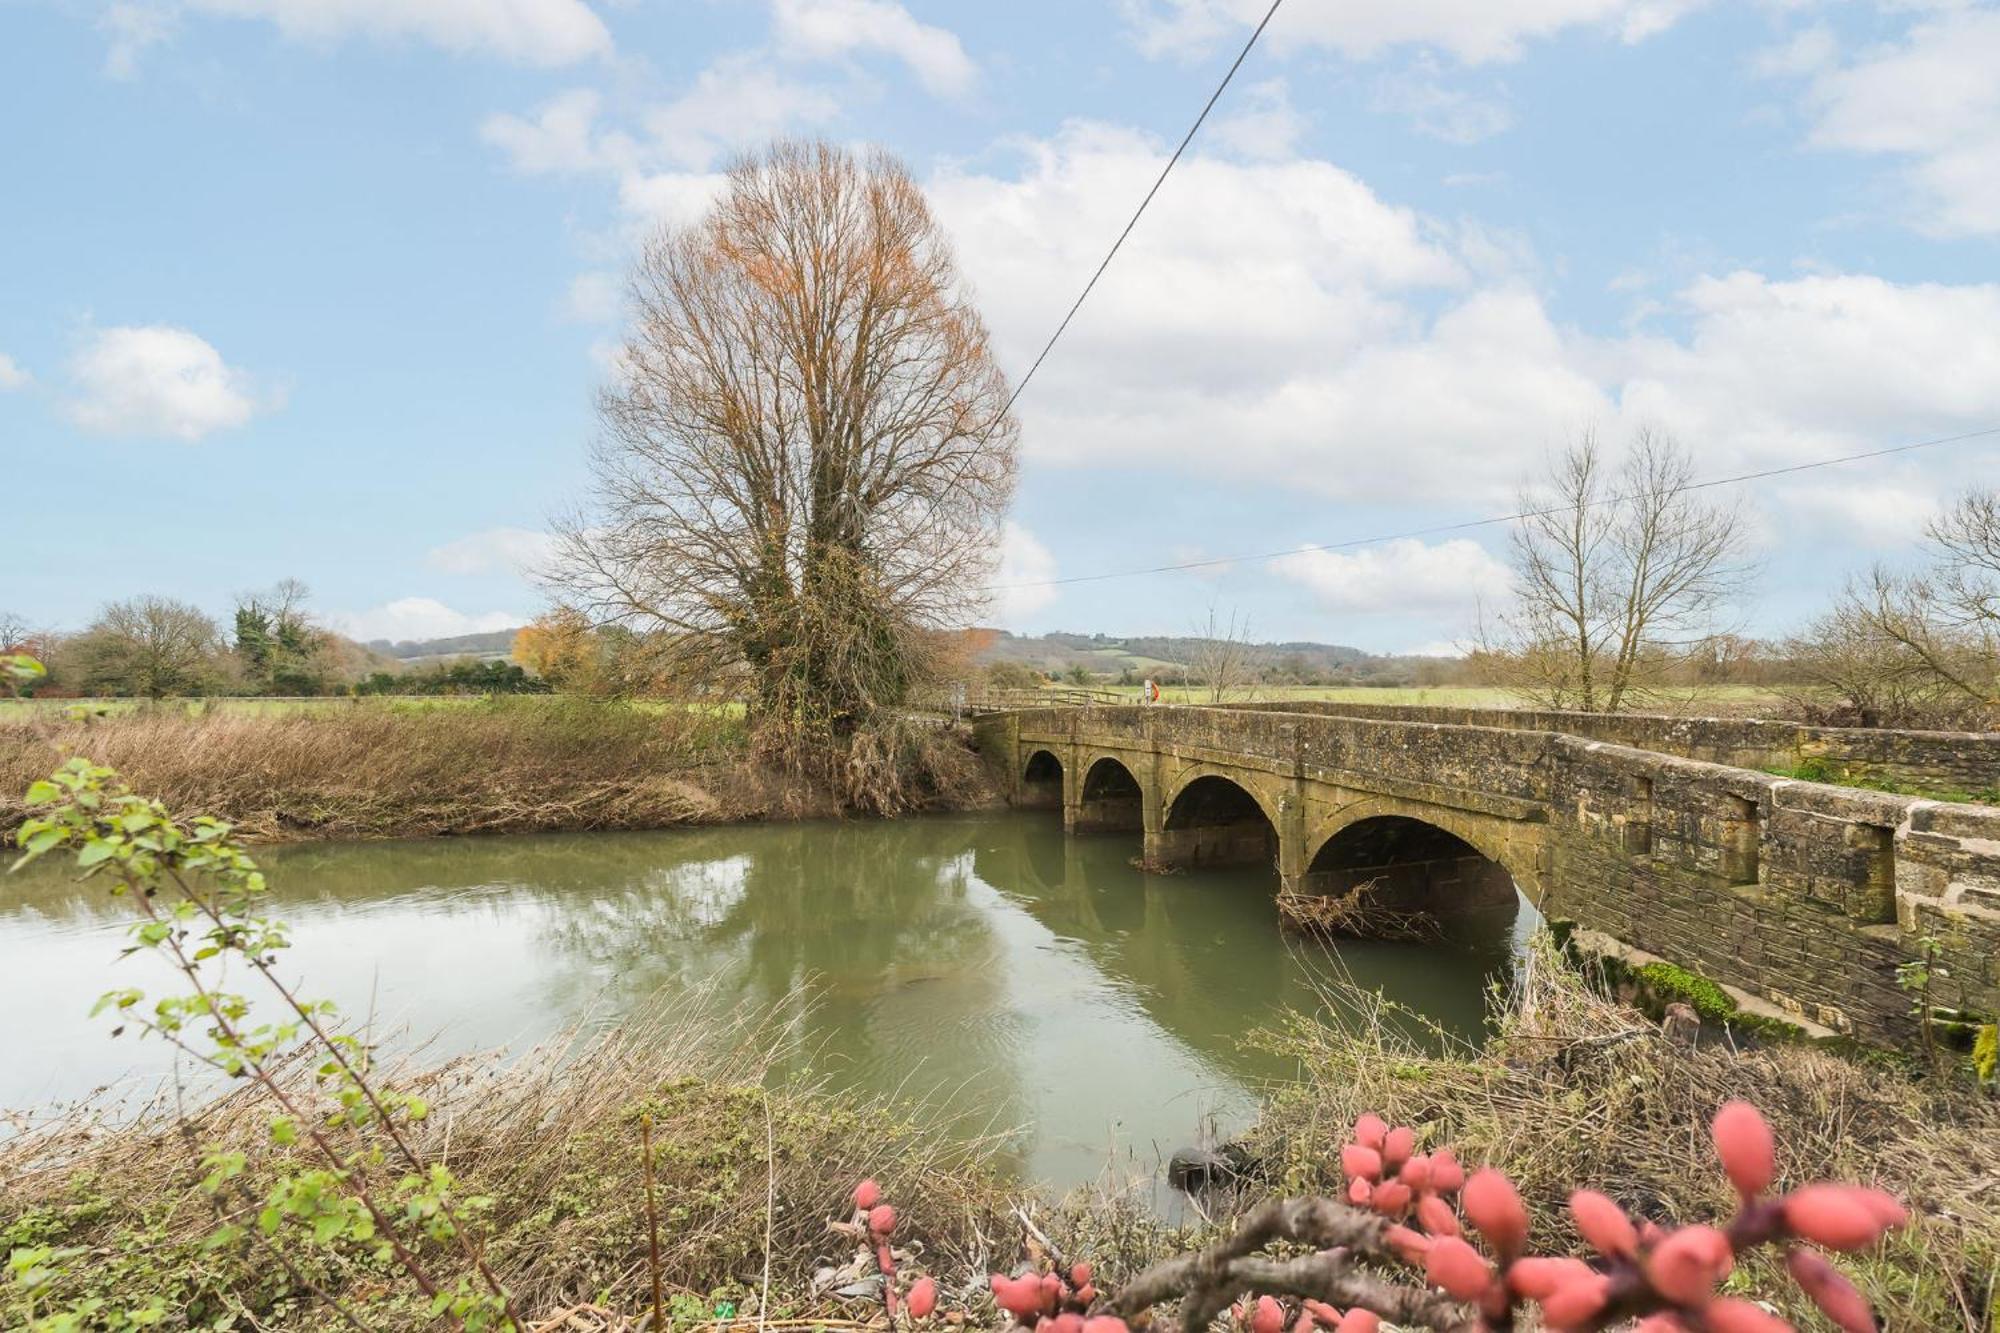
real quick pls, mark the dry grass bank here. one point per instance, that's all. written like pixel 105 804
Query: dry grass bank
pixel 506 765
pixel 1574 1089
pixel 554 1141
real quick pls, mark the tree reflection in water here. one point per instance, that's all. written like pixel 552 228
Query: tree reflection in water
pixel 1008 975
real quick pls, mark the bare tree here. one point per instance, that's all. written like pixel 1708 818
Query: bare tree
pixel 149 646
pixel 1916 649
pixel 805 453
pixel 277 642
pixel 1221 655
pixel 1619 577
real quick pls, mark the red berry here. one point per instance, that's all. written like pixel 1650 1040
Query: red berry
pixel 1457 1267
pixel 1436 1216
pixel 1370 1130
pixel 866 1195
pixel 1359 1162
pixel 1685 1266
pixel 1410 1246
pixel 1743 1142
pixel 1359 1321
pixel 1269 1316
pixel 1842 1217
pixel 1391 1198
pixel 1493 1205
pixel 1447 1176
pixel 1018 1296
pixel 1537 1279
pixel 1576 1302
pixel 1079 1274
pixel 1603 1224
pixel 882 1220
pixel 1359 1192
pixel 1105 1323
pixel 1416 1173
pixel 1397 1147
pixel 923 1298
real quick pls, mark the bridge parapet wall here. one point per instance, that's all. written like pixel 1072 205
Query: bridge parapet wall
pixel 1806 894
pixel 1942 760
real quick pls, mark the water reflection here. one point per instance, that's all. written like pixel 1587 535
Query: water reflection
pixel 1017 977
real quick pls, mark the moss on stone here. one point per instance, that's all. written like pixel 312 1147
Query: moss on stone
pixel 1671 984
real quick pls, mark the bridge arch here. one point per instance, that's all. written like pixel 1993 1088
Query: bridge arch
pixel 1111 798
pixel 1042 781
pixel 1214 818
pixel 1441 864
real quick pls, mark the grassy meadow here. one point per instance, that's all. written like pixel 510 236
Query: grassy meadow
pixel 1727 700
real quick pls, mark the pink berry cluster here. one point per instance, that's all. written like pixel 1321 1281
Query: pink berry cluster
pixel 1053 1302
pixel 877 1221
pixel 1667 1280
pixel 1269 1315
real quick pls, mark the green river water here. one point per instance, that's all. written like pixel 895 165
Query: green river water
pixel 1014 979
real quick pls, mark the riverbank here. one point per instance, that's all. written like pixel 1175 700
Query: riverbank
pixel 507 764
pixel 1570 1089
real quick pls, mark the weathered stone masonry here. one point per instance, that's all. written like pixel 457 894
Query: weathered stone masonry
pixel 1804 894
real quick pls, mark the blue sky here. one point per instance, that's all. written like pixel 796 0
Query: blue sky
pixel 323 288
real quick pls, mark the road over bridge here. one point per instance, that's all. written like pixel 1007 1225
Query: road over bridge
pixel 1804 894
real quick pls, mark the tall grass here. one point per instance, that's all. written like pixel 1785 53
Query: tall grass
pixel 747 1177
pixel 381 770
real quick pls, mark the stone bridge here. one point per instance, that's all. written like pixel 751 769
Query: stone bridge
pixel 1800 894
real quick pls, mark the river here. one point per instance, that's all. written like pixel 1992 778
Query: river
pixel 1011 977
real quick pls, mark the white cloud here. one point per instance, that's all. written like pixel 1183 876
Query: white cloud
pixel 529 32
pixel 1776 371
pixel 1474 31
pixel 561 137
pixel 13 375
pixel 419 618
pixel 1264 126
pixel 494 551
pixel 1878 516
pixel 664 169
pixel 157 380
pixel 1280 322
pixel 1023 561
pixel 1454 115
pixel 131 28
pixel 1933 99
pixel 1404 577
pixel 829 29
pixel 593 297
pixel 737 102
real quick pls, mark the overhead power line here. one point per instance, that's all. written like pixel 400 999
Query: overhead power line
pixel 1466 526
pixel 1112 253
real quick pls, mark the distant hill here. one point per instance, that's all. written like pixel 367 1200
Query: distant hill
pixel 495 643
pixel 1112 654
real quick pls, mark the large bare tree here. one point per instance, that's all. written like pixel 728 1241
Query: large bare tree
pixel 806 452
pixel 1620 575
pixel 149 646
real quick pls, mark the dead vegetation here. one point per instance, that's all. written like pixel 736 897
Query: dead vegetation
pixel 509 765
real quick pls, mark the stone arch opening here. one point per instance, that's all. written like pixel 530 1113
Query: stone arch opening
pixel 1042 782
pixel 1215 822
pixel 1112 801
pixel 1410 877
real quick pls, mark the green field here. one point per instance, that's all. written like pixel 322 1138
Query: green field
pixel 1737 700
